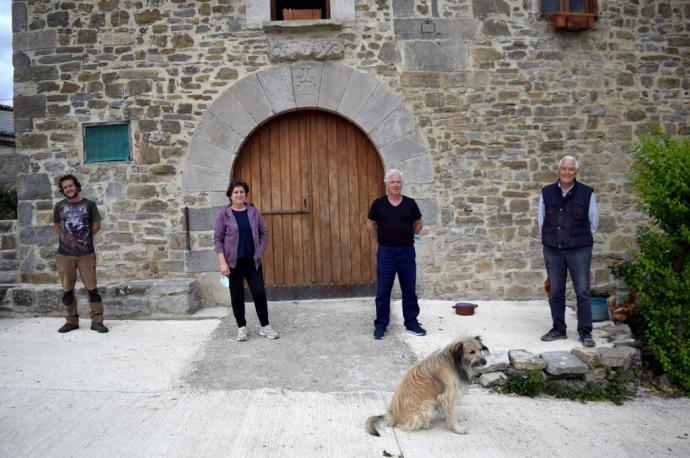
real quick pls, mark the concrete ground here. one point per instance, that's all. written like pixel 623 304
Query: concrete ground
pixel 187 388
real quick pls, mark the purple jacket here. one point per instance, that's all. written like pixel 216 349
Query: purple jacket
pixel 226 234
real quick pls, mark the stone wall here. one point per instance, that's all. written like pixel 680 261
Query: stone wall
pixel 497 95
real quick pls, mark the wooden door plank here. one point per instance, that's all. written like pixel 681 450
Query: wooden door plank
pixel 275 184
pixel 305 220
pixel 325 220
pixel 334 212
pixel 285 191
pixel 316 197
pixel 343 205
pixel 262 155
pixel 354 207
pixel 296 198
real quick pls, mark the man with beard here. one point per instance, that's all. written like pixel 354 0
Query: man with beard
pixel 76 220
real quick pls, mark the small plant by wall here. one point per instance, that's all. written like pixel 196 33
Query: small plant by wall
pixel 658 271
pixel 8 203
pixel 533 383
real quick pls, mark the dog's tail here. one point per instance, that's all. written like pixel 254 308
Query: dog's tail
pixel 372 422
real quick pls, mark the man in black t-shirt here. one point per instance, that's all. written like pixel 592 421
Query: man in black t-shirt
pixel 395 219
pixel 76 220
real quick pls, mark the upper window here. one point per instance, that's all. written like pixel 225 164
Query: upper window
pixel 570 15
pixel 106 142
pixel 289 10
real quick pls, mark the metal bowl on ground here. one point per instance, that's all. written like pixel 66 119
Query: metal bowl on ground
pixel 465 308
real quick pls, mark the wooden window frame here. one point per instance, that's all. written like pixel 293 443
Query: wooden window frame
pixel 566 20
pixel 325 15
pixel 85 128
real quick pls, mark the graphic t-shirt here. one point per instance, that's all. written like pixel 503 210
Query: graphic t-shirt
pixel 395 223
pixel 76 220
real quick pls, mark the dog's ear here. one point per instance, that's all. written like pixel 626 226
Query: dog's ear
pixel 457 350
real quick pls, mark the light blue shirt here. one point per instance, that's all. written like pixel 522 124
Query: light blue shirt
pixel 593 211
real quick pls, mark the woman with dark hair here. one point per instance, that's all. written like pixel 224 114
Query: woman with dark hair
pixel 240 238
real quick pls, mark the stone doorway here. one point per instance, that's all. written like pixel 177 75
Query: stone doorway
pixel 313 175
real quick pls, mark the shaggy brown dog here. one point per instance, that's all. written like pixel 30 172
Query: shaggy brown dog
pixel 433 384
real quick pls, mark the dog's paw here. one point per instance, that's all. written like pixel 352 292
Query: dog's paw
pixel 457 429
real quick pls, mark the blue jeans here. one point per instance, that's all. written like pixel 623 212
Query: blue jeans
pixel 577 261
pixel 389 261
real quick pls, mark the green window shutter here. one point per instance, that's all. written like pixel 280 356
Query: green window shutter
pixel 104 143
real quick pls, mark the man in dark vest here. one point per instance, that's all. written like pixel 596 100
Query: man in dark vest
pixel 568 218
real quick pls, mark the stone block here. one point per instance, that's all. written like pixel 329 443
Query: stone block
pixel 376 108
pixel 495 29
pixel 522 359
pixel 58 19
pixel 208 155
pixel 229 111
pixel 217 132
pixel 437 56
pixel 19 18
pixel 406 147
pixel 492 379
pixel 126 306
pixel 417 170
pixel 429 209
pixel 306 81
pixel 563 364
pixel 138 87
pixel 202 261
pixel 31 41
pixel 402 8
pixel 495 362
pixel 33 187
pixel 389 53
pixel 598 373
pixel 615 357
pixel 334 79
pixel 31 106
pixel 586 355
pixel 277 85
pixel 179 296
pixel 38 235
pixel 358 90
pixel 147 16
pixel 201 219
pixel 482 8
pixel 398 123
pixel 200 178
pixel 24 213
pixel 433 29
pixel 35 73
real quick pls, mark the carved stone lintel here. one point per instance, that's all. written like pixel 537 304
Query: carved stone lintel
pixel 292 49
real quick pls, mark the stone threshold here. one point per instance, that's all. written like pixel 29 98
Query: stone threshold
pixel 160 299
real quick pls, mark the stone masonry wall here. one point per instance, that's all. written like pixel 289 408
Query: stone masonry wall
pixel 498 95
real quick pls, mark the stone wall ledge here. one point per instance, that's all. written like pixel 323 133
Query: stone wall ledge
pixel 580 365
pixel 161 298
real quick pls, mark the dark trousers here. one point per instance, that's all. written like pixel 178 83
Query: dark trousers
pixel 391 260
pixel 246 270
pixel 577 261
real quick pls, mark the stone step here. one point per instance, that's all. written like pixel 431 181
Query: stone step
pixel 175 297
pixel 8 276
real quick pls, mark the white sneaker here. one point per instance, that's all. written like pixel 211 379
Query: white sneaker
pixel 242 334
pixel 268 332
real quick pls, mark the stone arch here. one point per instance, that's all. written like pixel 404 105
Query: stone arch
pixel 355 96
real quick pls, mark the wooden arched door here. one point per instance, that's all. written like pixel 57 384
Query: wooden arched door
pixel 313 175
